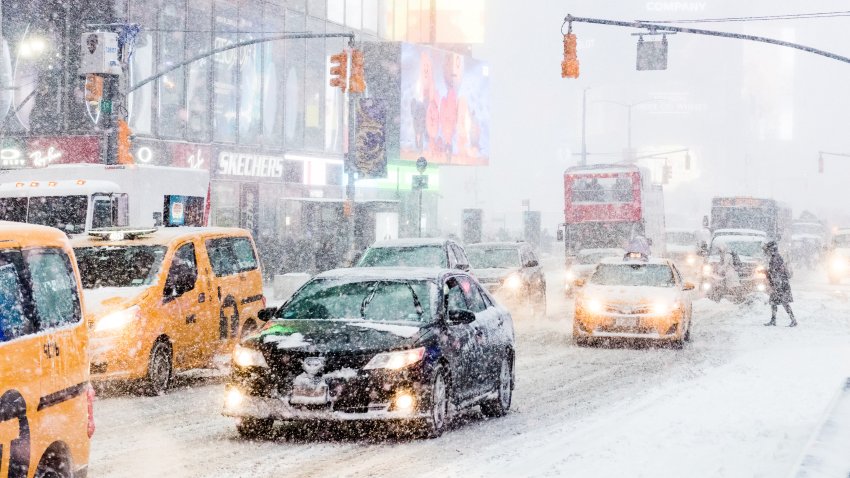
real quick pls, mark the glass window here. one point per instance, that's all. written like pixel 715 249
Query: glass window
pixel 13 209
pixel 274 72
pixel 484 258
pixel 314 89
pixel 226 95
pixel 370 15
pixel 316 8
pixel 605 190
pixel 400 14
pixel 54 288
pixel 250 77
pixel 231 255
pixel 460 254
pixel 139 102
pixel 119 266
pixel 385 19
pixel 472 294
pixel 649 275
pixel 198 40
pixel 298 5
pixel 67 213
pixel 455 298
pixel 185 255
pixel 354 13
pixel 293 87
pixel 336 11
pixel 184 263
pixel 413 256
pixel 333 174
pixel 172 24
pixel 14 320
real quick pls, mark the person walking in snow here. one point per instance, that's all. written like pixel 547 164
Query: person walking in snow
pixel 779 282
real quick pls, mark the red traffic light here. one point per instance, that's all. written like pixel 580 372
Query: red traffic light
pixel 358 82
pixel 339 71
pixel 569 67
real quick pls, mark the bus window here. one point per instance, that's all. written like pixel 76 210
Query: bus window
pixel 67 213
pixel 603 189
pixel 13 209
pixel 101 213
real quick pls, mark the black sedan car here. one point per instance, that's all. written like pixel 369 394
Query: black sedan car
pixel 409 345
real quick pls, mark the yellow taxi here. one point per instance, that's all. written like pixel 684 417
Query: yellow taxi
pixel 161 301
pixel 46 419
pixel 634 297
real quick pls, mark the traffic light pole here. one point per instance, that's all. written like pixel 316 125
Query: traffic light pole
pixel 658 28
pixel 350 165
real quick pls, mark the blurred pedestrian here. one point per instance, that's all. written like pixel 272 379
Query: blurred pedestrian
pixel 780 285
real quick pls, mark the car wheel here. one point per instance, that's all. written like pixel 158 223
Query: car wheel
pixel 500 405
pixel 159 369
pixel 688 331
pixel 253 428
pixel 53 464
pixel 438 411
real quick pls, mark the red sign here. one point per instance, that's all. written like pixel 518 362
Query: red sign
pixel 43 151
pixel 602 197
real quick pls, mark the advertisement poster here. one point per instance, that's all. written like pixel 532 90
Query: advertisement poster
pixel 371 152
pixel 445 109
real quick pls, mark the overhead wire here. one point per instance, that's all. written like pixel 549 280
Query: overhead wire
pixel 793 16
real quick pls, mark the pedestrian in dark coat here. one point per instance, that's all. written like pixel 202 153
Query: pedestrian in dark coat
pixel 780 285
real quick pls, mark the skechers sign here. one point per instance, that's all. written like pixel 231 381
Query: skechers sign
pixel 249 165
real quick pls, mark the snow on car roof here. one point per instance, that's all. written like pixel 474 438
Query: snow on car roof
pixel 413 241
pixel 601 250
pixel 496 245
pixel 739 232
pixel 162 236
pixel 391 273
pixel 621 261
pixel 738 238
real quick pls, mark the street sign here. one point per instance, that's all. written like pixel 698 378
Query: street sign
pixel 421 164
pixel 420 182
pixel 652 55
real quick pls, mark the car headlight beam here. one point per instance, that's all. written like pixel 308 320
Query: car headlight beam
pixel 513 282
pixel 248 357
pixel 396 360
pixel 839 264
pixel 117 320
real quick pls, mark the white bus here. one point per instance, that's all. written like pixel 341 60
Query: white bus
pixel 80 197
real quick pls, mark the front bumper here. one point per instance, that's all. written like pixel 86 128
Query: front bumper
pixel 280 409
pixel 644 326
pixel 117 357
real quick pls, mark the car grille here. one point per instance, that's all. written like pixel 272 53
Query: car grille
pixel 627 309
pixel 286 366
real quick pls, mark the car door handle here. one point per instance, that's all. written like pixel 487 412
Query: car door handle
pixel 202 298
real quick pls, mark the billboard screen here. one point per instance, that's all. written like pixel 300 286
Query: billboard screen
pixel 445 109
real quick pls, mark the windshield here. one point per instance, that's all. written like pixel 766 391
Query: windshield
pixel 406 256
pixel 651 275
pixel 119 266
pixel 681 238
pixel 375 300
pixel 594 257
pixel 481 258
pixel 742 248
pixel 616 189
pixel 67 213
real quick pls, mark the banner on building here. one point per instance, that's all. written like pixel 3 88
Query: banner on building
pixel 370 153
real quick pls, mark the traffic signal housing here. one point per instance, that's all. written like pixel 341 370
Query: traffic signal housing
pixel 339 70
pixel 358 81
pixel 569 67
pixel 94 88
pixel 124 143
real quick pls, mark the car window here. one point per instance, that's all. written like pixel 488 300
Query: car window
pixel 14 319
pixel 455 298
pixel 231 255
pixel 185 255
pixel 651 275
pixel 472 294
pixel 119 266
pixel 54 288
pixel 453 259
pixel 404 256
pixel 461 255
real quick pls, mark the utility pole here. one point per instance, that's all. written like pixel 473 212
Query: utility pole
pixel 584 127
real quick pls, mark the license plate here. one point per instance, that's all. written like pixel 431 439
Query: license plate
pixel 309 391
pixel 626 322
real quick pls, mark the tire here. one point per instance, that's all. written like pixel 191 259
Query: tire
pixel 53 464
pixel 255 428
pixel 160 369
pixel 499 406
pixel 688 332
pixel 438 406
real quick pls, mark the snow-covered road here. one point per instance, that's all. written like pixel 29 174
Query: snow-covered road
pixel 740 400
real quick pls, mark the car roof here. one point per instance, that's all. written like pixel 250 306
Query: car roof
pixel 498 245
pixel 619 261
pixel 162 236
pixel 26 235
pixel 389 273
pixel 413 241
pixel 601 250
pixel 739 232
pixel 738 238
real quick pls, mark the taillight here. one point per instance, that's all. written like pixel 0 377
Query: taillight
pixel 90 401
pixel 264 301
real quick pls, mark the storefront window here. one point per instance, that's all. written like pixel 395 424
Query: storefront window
pixel 226 71
pixel 314 88
pixel 273 75
pixel 293 88
pixel 172 113
pixel 400 17
pixel 225 206
pixel 198 41
pixel 250 77
pixel 336 11
pixel 370 15
pixel 353 13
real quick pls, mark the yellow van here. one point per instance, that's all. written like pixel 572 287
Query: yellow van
pixel 160 301
pixel 45 397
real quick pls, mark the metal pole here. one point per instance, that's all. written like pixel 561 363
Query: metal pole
pixel 584 127
pixel 629 140
pixel 350 158
pixel 419 217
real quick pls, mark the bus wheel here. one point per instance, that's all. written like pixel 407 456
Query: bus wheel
pixel 159 369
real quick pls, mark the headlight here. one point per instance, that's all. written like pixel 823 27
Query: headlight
pixel 706 286
pixel 664 308
pixel 839 264
pixel 117 320
pixel 395 360
pixel 513 281
pixel 248 357
pixel 707 270
pixel 760 273
pixel 233 398
pixel 691 260
pixel 593 306
pixel 570 275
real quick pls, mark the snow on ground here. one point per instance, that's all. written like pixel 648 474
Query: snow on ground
pixel 740 400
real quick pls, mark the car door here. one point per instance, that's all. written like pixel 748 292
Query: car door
pixel 186 307
pixel 234 277
pixel 460 341
pixel 535 271
pixel 485 353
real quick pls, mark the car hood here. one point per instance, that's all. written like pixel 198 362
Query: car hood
pixel 336 336
pixel 630 294
pixel 493 274
pixel 103 300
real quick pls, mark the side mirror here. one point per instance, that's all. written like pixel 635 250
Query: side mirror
pixel 461 316
pixel 560 235
pixel 688 286
pixel 580 282
pixel 267 314
pixel 531 263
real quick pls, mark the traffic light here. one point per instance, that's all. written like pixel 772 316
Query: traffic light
pixel 124 143
pixel 666 174
pixel 569 67
pixel 358 82
pixel 339 70
pixel 94 88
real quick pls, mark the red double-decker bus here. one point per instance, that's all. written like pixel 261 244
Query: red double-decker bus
pixel 606 205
